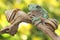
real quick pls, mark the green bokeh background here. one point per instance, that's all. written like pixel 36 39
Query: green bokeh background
pixel 52 6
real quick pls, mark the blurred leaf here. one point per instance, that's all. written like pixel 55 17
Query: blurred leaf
pixel 3 21
pixel 0 26
pixel 6 35
pixel 8 2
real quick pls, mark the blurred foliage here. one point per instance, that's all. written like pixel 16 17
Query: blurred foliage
pixel 27 31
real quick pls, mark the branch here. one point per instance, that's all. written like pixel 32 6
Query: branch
pixel 47 26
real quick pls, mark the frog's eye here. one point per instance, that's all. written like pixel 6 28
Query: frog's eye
pixel 38 6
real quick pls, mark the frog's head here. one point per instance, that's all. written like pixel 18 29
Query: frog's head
pixel 32 7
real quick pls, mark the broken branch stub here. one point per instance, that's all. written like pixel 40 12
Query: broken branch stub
pixel 15 18
pixel 10 14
